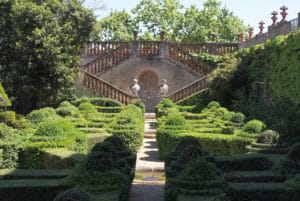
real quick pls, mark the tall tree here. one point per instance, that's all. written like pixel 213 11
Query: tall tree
pixel 45 39
pixel 117 26
pixel 179 23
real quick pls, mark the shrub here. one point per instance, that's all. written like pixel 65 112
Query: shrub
pixel 213 105
pixel 163 106
pixel 87 107
pixel 5 131
pixel 199 169
pixel 105 102
pixel 244 163
pixel 292 186
pixel 268 137
pixel 72 195
pixel 8 116
pixel 44 114
pixel 254 126
pixel 287 167
pixel 294 152
pixel 175 119
pixel 129 126
pixel 9 154
pixel 187 141
pixel 59 133
pixel 238 117
pixel 66 109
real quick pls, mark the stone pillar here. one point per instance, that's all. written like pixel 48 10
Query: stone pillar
pixel 212 48
pixel 134 45
pixel 164 49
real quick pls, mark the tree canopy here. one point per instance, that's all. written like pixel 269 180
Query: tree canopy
pixel 150 17
pixel 40 41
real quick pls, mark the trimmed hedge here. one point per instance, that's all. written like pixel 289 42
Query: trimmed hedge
pixel 216 144
pixel 8 116
pixel 30 190
pixel 129 126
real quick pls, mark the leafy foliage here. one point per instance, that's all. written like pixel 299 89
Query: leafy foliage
pixel 72 194
pixel 41 115
pixel 150 17
pixel 41 42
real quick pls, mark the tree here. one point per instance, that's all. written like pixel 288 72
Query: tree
pixel 179 23
pixel 41 59
pixel 117 26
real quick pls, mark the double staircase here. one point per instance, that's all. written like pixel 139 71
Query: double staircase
pixel 100 57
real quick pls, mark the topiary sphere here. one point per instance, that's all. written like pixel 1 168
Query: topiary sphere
pixel 189 154
pixel 72 195
pixel 254 126
pixel 187 141
pixel 268 137
pixel 213 104
pixel 116 142
pixel 199 169
pixel 238 117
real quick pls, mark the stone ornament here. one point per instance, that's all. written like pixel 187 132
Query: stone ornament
pixel 135 88
pixel 164 88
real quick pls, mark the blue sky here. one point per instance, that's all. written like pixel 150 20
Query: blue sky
pixel 250 11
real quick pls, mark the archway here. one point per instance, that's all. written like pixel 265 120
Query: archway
pixel 149 92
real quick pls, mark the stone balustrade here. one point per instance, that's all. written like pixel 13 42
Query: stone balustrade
pixel 104 62
pixel 103 88
pixel 190 89
pixel 190 61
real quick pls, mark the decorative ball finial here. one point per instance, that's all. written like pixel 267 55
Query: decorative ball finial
pixel 274 17
pixel 283 13
pixel 250 32
pixel 261 26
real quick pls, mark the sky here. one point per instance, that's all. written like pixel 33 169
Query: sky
pixel 250 11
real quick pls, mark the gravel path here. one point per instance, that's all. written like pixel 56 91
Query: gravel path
pixel 147 164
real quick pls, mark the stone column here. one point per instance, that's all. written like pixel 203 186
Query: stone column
pixel 164 49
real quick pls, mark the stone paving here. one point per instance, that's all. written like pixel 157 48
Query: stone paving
pixel 149 168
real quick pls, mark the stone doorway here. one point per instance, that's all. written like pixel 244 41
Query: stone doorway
pixel 149 91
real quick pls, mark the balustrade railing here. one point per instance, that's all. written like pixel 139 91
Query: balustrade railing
pixel 103 63
pixel 148 48
pixel 102 47
pixel 188 60
pixel 103 88
pixel 211 48
pixel 189 89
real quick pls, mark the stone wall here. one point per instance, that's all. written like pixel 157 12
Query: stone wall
pixel 122 75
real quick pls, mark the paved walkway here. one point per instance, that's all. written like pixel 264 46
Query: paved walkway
pixel 148 184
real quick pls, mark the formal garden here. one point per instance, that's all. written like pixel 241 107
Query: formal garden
pixel 238 139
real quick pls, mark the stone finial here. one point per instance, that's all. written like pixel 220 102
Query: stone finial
pixel 162 35
pixel 261 26
pixel 283 13
pixel 250 32
pixel 240 37
pixel 213 37
pixel 135 33
pixel 274 18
